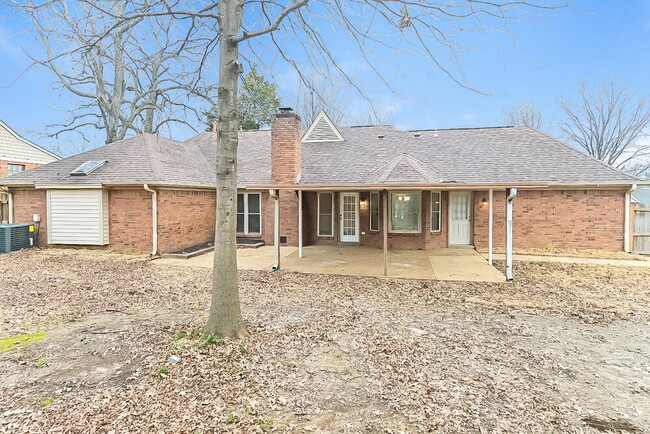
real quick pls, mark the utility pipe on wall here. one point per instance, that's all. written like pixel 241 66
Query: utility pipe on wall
pixel 626 230
pixel 10 203
pixel 276 228
pixel 511 196
pixel 154 218
pixel 300 223
pixel 490 224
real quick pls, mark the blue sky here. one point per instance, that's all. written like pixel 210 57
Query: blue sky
pixel 598 40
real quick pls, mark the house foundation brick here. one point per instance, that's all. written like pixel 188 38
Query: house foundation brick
pixel 185 218
pixel 572 219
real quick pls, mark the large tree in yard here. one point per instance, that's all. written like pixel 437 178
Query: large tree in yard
pixel 608 123
pixel 299 32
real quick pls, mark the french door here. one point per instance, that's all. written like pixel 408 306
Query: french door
pixel 349 217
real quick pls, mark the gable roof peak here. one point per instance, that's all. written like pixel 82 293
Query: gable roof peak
pixel 405 169
pixel 322 130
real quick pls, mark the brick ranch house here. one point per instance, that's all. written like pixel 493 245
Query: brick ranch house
pixel 18 154
pixel 372 186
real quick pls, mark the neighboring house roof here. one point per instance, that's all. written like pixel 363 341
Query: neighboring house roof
pixel 378 155
pixel 16 148
pixel 642 196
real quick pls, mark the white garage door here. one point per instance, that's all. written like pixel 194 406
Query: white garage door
pixel 77 217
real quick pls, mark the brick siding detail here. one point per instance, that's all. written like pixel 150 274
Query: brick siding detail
pixel 130 220
pixel 4 166
pixel 185 218
pixel 573 219
pixel 285 148
pixel 27 202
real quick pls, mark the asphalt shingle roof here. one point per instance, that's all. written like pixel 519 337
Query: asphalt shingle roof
pixel 476 155
pixel 368 155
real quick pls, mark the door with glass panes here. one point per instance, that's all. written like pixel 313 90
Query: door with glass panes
pixel 349 217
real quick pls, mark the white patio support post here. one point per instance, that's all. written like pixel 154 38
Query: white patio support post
pixel 300 223
pixel 626 229
pixel 385 229
pixel 512 192
pixel 490 224
pixel 275 194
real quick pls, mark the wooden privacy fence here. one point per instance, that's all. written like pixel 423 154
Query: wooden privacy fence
pixel 641 236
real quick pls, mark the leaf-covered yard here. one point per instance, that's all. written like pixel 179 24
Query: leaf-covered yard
pixel 564 348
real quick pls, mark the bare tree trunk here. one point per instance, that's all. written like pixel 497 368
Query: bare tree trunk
pixel 225 317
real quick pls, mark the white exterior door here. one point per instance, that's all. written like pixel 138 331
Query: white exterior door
pixel 349 216
pixel 460 216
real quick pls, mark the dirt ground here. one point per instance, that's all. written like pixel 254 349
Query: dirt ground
pixel 564 348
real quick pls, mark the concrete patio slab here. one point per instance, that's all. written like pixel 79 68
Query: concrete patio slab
pixel 637 262
pixel 456 263
pixel 260 258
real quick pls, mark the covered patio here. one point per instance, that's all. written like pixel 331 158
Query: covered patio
pixel 454 263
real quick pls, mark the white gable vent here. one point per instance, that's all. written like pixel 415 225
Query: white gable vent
pixel 322 130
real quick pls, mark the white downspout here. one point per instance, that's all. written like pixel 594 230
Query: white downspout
pixel 10 203
pixel 276 229
pixel 626 230
pixel 300 223
pixel 490 224
pixel 511 196
pixel 154 214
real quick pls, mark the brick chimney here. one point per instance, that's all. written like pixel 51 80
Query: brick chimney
pixel 285 147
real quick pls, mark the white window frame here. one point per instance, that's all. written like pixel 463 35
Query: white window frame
pixel 12 165
pixel 318 232
pixel 370 202
pixel 390 207
pixel 246 213
pixel 439 193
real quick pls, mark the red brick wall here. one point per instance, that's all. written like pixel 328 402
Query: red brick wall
pixel 27 202
pixel 185 218
pixel 575 219
pixel 129 220
pixel 285 148
pixel 4 168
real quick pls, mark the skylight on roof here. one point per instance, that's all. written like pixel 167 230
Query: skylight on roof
pixel 88 167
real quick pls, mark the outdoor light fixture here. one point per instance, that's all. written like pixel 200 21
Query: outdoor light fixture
pixel 484 201
pixel 364 204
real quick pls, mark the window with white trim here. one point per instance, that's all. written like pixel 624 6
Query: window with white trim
pixel 374 211
pixel 249 213
pixel 405 212
pixel 435 211
pixel 325 214
pixel 12 169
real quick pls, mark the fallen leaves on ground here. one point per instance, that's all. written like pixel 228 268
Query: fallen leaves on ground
pixel 325 353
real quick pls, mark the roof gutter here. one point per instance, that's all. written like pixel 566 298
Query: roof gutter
pixel 626 229
pixel 379 187
pixel 154 217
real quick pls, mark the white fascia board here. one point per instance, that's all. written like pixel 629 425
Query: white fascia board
pixel 67 186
